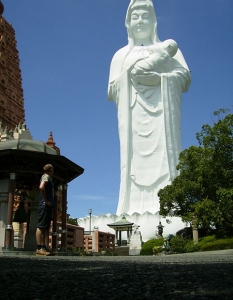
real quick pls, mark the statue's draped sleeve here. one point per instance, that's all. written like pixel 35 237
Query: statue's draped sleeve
pixel 115 72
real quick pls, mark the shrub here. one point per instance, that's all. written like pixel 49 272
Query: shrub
pixel 186 233
pixel 191 247
pixel 76 251
pixel 147 247
pixel 108 253
pixel 178 244
pixel 218 245
pixel 222 233
pixel 205 240
pixel 157 250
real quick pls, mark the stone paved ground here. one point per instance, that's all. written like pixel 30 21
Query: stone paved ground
pixel 186 276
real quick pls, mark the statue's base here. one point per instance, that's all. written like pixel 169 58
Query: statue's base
pixel 134 252
pixel 148 223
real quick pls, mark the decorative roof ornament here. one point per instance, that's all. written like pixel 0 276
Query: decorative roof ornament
pixel 50 142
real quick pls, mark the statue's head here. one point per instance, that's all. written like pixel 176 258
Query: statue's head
pixel 136 5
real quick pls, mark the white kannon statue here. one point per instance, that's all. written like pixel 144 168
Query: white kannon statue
pixel 147 78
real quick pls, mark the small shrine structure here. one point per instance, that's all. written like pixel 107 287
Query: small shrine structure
pixel 119 227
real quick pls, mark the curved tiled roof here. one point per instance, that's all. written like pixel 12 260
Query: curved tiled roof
pixel 27 145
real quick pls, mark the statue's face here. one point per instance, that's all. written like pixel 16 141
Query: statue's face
pixel 141 24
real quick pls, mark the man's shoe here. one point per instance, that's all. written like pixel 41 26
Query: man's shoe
pixel 42 251
pixel 46 249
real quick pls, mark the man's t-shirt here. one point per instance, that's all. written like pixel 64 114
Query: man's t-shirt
pixel 48 189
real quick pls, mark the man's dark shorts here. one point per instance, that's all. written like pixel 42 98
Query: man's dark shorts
pixel 44 217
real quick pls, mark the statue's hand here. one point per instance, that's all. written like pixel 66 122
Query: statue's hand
pixel 150 78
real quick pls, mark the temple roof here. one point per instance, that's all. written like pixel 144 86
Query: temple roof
pixel 31 145
pixel 28 166
pixel 121 225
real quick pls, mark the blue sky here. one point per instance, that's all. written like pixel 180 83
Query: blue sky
pixel 65 50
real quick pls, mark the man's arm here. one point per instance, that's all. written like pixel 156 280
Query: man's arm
pixel 43 192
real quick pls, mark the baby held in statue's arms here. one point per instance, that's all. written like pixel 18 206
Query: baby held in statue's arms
pixel 157 60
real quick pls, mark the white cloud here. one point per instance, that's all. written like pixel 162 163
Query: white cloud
pixel 101 199
pixel 89 197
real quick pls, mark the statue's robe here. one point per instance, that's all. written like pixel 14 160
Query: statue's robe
pixel 149 129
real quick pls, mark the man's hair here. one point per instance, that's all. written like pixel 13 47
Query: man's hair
pixel 48 167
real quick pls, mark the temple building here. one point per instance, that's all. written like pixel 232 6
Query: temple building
pixel 22 160
pixel 11 93
pixel 21 166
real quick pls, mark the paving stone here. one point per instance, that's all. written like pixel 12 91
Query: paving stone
pixel 186 276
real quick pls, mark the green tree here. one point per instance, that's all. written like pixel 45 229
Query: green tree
pixel 72 221
pixel 203 192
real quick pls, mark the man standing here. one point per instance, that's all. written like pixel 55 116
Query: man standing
pixel 45 211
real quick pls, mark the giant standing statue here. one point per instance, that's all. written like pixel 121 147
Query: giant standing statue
pixel 147 78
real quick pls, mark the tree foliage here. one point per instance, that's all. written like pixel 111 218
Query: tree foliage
pixel 72 221
pixel 203 192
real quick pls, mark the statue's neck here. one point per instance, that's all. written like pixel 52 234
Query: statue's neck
pixel 142 42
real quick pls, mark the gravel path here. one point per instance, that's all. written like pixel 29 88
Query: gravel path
pixel 185 276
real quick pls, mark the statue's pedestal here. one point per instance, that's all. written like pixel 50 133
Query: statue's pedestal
pixel 148 223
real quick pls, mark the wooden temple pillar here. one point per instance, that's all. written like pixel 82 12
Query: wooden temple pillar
pixel 128 235
pixel 9 226
pixel 120 238
pixel 54 229
pixel 64 218
pixel 30 236
pixel 4 188
pixel 116 237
